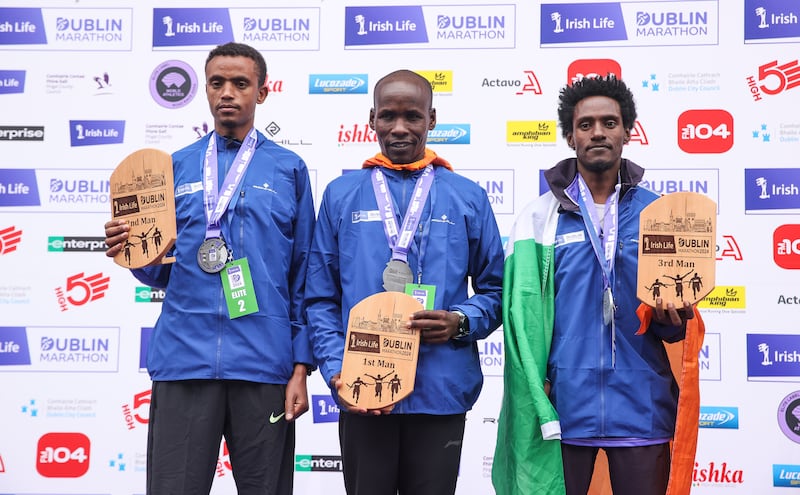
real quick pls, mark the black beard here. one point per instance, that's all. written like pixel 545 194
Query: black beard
pixel 598 167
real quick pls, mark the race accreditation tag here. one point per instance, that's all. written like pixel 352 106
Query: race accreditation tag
pixel 425 294
pixel 238 288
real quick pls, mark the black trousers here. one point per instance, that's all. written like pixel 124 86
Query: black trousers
pixel 187 422
pixel 633 470
pixel 409 454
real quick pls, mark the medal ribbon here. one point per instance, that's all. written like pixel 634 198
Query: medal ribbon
pixel 400 241
pixel 604 250
pixel 216 200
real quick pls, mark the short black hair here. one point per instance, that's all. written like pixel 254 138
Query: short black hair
pixel 405 73
pixel 234 49
pixel 608 86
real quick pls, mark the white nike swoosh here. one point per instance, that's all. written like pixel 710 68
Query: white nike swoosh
pixel 274 419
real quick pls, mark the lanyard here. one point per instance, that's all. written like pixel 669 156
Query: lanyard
pixel 604 250
pixel 216 200
pixel 399 241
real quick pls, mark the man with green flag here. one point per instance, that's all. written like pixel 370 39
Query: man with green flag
pixel 578 376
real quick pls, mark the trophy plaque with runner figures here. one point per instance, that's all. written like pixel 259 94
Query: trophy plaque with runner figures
pixel 380 356
pixel 143 194
pixel 677 249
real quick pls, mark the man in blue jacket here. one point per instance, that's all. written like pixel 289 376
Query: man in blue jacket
pixel 215 375
pixel 577 369
pixel 413 447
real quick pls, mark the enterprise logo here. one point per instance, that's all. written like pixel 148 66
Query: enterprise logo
pixel 64 244
pixel 21 133
pixel 323 463
pixel 337 84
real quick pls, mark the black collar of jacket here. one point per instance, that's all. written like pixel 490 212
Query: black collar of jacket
pixel 564 172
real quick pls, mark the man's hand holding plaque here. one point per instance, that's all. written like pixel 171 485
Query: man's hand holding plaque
pixel 143 195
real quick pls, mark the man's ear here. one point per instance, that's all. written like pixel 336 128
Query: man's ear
pixel 433 119
pixel 263 91
pixel 372 118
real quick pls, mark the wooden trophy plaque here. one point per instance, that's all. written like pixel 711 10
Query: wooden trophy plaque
pixel 143 194
pixel 380 356
pixel 677 249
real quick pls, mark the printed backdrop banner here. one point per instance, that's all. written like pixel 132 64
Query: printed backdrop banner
pixel 82 85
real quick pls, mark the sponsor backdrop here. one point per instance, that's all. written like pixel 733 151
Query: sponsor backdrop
pixel 83 84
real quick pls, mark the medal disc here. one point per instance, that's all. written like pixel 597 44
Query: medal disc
pixel 396 275
pixel 212 255
pixel 608 306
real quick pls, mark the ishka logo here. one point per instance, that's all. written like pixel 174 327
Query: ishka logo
pixel 10 237
pixel 356 134
pixel 716 474
pixel 82 289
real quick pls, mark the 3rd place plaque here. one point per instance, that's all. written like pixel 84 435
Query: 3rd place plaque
pixel 677 249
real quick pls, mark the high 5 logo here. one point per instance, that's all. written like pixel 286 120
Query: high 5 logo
pixel 705 131
pixel 138 411
pixel 82 289
pixel 774 79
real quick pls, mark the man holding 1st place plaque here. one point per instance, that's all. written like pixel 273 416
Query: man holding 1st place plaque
pixel 230 352
pixel 404 223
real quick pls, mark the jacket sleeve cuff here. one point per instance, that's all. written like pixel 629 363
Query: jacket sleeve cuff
pixel 551 430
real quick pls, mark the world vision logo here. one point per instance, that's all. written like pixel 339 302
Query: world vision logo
pixel 441 80
pixel 724 297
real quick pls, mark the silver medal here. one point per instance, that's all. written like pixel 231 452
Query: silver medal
pixel 212 255
pixel 608 306
pixel 396 275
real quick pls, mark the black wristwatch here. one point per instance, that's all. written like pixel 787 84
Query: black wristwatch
pixel 463 325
